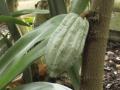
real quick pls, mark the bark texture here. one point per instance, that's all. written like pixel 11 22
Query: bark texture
pixel 93 63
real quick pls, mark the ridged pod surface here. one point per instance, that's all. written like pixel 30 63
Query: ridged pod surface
pixel 66 44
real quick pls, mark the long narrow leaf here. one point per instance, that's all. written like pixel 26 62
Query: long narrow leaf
pixel 28 40
pixel 10 71
pixel 29 11
pixel 10 19
pixel 11 59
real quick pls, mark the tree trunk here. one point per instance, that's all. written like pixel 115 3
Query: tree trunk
pixel 12 5
pixel 93 63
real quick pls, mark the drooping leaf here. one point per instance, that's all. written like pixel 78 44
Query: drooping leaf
pixel 75 74
pixel 28 40
pixel 42 86
pixel 16 60
pixel 29 11
pixel 10 19
pixel 16 66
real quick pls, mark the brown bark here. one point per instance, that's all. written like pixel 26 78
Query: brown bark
pixel 93 63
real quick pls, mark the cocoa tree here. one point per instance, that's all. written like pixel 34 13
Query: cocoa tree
pixel 93 63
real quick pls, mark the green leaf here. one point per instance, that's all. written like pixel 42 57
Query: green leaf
pixel 78 6
pixel 74 74
pixel 42 86
pixel 9 71
pixel 10 19
pixel 29 11
pixel 16 60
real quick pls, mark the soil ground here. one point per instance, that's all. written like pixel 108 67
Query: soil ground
pixel 112 67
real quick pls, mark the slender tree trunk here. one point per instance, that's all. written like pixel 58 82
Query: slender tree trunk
pixel 12 5
pixel 93 63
